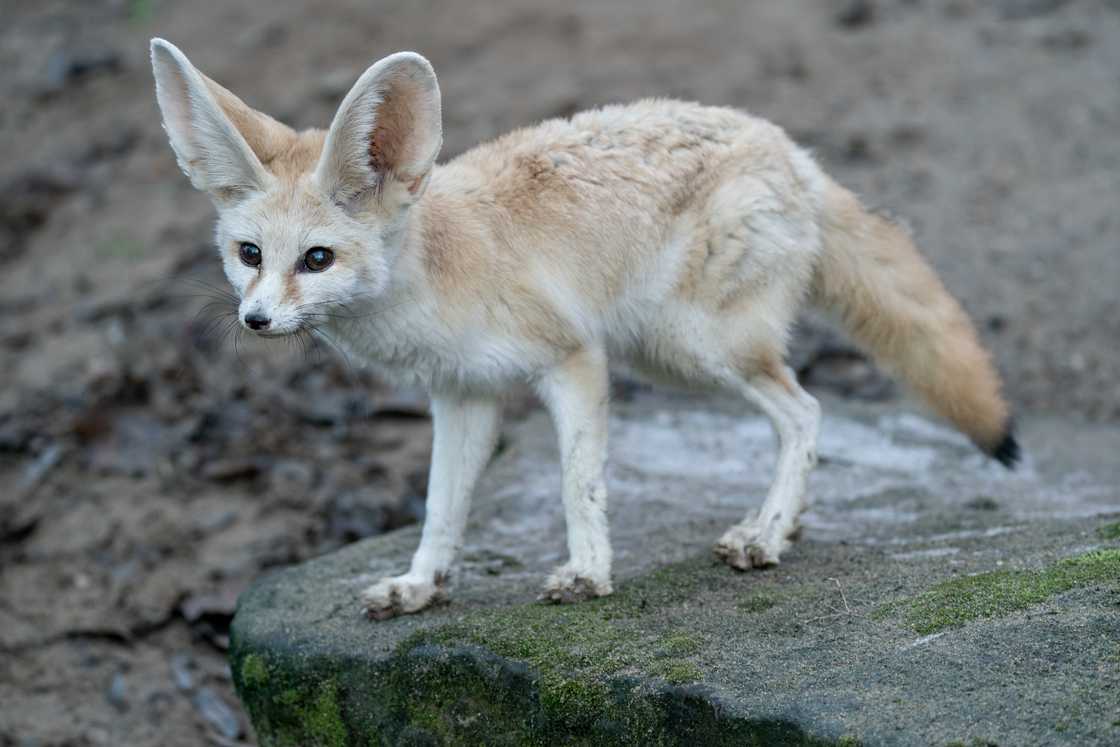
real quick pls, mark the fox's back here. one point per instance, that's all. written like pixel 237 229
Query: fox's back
pixel 648 158
pixel 656 199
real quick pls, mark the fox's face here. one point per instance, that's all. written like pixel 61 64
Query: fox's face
pixel 292 255
pixel 309 221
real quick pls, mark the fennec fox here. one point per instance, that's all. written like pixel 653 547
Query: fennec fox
pixel 680 238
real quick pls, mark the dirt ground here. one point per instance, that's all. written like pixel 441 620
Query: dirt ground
pixel 152 463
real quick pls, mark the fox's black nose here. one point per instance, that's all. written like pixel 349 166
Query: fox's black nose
pixel 257 321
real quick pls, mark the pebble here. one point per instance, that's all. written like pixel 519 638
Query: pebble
pixel 118 692
pixel 181 675
pixel 228 470
pixel 217 713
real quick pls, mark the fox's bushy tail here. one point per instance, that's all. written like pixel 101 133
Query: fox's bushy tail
pixel 873 279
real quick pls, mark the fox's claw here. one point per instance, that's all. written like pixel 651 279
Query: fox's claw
pixel 567 585
pixel 745 547
pixel 400 595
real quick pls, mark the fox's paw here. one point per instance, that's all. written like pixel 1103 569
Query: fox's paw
pixel 401 595
pixel 746 546
pixel 567 585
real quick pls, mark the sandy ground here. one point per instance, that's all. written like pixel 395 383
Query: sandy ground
pixel 152 465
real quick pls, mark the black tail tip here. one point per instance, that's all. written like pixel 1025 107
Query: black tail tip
pixel 1007 451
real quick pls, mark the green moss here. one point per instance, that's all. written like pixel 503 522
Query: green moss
pixel 308 716
pixel 322 717
pixel 955 602
pixel 452 696
pixel 288 698
pixel 597 637
pixel 1110 531
pixel 677 672
pixel 756 603
pixel 254 672
pixel 573 648
pixel 290 706
pixel 575 702
pixel 680 644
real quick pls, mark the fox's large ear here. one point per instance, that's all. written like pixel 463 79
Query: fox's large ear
pixel 211 129
pixel 386 135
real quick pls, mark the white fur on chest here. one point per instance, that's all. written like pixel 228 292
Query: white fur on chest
pixel 415 345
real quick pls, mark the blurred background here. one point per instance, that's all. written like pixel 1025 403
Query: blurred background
pixel 152 463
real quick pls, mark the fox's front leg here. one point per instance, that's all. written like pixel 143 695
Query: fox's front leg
pixel 465 433
pixel 575 393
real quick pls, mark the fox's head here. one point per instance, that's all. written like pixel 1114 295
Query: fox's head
pixel 310 219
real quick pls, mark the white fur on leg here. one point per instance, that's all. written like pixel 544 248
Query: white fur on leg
pixel 759 542
pixel 465 432
pixel 575 393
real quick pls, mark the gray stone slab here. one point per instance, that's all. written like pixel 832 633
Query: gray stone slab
pixel 826 648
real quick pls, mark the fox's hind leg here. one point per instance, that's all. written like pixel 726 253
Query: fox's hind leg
pixel 758 542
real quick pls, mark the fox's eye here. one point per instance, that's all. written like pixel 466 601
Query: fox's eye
pixel 318 258
pixel 250 254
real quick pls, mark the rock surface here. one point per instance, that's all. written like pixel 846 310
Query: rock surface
pixel 930 601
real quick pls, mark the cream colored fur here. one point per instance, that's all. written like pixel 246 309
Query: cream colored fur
pixel 680 238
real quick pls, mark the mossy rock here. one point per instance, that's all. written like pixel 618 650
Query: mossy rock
pixel 953 603
pixel 603 672
pixel 953 626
